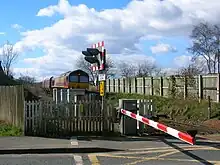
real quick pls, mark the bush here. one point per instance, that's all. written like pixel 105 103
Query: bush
pixel 177 109
pixel 9 130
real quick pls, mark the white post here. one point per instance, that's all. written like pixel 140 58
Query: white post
pixel 138 111
pixel 61 95
pixel 75 106
pixel 68 95
pixel 56 96
pixel 151 107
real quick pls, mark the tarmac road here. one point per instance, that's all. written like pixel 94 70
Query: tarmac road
pixel 146 151
pixel 152 156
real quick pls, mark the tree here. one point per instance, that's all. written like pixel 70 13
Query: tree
pixel 109 66
pixel 126 70
pixel 26 80
pixel 8 56
pixel 190 71
pixel 206 44
pixel 147 69
pixel 86 66
pixel 142 69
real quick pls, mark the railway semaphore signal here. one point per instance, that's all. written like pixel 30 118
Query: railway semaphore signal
pixel 91 55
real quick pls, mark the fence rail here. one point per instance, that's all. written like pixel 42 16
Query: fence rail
pixel 195 87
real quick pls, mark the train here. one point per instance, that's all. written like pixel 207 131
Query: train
pixel 77 79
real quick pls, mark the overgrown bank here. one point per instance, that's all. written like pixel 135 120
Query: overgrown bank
pixel 190 112
pixel 9 130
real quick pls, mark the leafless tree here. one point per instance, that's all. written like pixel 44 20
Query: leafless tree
pixel 147 69
pixel 24 79
pixel 190 71
pixel 126 70
pixel 8 56
pixel 206 44
pixel 142 69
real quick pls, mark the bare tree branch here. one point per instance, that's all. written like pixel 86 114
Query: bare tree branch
pixel 146 69
pixel 26 80
pixel 8 56
pixel 142 69
pixel 205 38
pixel 190 71
pixel 126 70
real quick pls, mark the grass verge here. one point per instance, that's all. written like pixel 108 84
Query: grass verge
pixel 9 130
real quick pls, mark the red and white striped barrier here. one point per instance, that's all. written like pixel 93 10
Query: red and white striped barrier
pixel 180 135
pixel 101 47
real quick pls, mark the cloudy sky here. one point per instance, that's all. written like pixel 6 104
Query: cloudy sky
pixel 50 35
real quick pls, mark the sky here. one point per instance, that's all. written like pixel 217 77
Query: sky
pixel 50 35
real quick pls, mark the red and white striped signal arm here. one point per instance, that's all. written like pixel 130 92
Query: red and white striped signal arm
pixel 180 135
pixel 101 47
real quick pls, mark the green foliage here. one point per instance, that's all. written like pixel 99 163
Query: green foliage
pixel 9 130
pixel 177 109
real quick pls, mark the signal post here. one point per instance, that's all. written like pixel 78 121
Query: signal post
pixel 97 57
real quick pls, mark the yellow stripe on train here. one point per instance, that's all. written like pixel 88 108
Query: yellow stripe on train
pixel 79 85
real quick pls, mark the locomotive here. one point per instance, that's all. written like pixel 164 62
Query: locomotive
pixel 77 79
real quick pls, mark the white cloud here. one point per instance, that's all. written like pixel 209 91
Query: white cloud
pixel 162 48
pixel 2 33
pixel 182 61
pixel 16 26
pixel 121 29
pixel 151 37
pixel 134 59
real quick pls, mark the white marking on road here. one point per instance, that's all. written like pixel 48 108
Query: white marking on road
pixel 73 141
pixel 78 159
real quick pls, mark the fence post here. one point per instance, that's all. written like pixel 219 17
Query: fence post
pixel 40 111
pixel 200 87
pixel 118 85
pixel 143 86
pixel 135 85
pixel 209 108
pixel 105 120
pixel 161 86
pixel 123 81
pixel 25 118
pixel 218 89
pixel 113 85
pixel 129 85
pixel 152 85
pixel 109 85
pixel 185 88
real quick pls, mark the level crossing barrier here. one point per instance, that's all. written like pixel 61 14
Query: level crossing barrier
pixel 173 132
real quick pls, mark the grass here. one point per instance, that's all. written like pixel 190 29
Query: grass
pixel 9 130
pixel 176 108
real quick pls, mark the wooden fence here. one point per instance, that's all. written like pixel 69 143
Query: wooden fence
pixel 46 118
pixel 12 105
pixel 197 87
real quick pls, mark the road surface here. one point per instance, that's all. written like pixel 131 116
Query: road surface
pixel 146 151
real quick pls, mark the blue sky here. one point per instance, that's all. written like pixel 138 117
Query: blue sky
pixel 24 13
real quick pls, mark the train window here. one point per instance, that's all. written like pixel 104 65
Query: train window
pixel 73 78
pixel 83 79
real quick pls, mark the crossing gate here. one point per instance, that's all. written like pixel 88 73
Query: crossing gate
pixel 47 118
pixel 173 132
